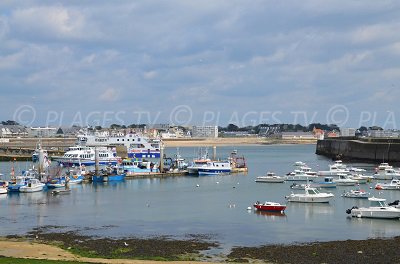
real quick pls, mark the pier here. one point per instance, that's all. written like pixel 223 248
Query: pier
pixel 360 149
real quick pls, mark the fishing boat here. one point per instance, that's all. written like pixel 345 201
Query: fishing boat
pixel 200 161
pixel 392 185
pixel 269 206
pixel 344 180
pixel 377 209
pixel 270 178
pixel 33 185
pixel 132 167
pixel 84 155
pixel 215 168
pixel 326 183
pixel 310 195
pixel 56 182
pixel 109 174
pixel 138 146
pixel 22 180
pixel 360 194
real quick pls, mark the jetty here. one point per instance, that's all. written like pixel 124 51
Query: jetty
pixel 360 149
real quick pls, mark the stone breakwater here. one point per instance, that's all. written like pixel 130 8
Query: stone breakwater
pixel 371 150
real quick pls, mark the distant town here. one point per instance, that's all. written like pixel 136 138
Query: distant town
pixel 12 129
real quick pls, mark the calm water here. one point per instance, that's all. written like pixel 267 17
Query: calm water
pixel 175 206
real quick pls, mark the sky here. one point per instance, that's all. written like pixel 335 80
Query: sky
pixel 209 62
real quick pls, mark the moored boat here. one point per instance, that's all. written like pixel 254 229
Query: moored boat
pixel 361 194
pixel 326 183
pixel 84 155
pixel 377 209
pixel 270 178
pixel 392 185
pixel 299 175
pixel 33 185
pixel 215 168
pixel 269 206
pixel 344 180
pixel 387 174
pixel 310 195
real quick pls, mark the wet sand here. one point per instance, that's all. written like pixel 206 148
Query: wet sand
pixel 42 245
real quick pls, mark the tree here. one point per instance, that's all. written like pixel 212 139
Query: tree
pixel 232 127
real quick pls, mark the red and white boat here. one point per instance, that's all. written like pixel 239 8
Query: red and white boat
pixel 269 206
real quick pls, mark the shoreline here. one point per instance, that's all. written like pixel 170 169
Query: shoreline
pixel 374 250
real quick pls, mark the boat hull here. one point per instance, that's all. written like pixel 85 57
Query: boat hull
pixel 307 199
pixel 382 213
pixel 203 171
pixel 300 178
pixel 270 208
pixel 108 178
pixel 26 189
pixel 270 179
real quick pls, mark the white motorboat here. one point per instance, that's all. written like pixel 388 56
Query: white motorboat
pixel 392 185
pixel 383 166
pixel 270 178
pixel 299 175
pixel 359 178
pixel 361 194
pixel 387 174
pixel 377 209
pixel 33 185
pixel 307 170
pixel 310 195
pixel 333 172
pixel 356 170
pixel 344 180
pixel 338 165
pixel 299 164
pixel 296 186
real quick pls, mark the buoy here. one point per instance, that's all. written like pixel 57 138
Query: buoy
pixel 126 244
pixel 197 185
pixel 249 208
pixel 217 182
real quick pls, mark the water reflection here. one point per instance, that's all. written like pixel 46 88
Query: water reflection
pixel 270 215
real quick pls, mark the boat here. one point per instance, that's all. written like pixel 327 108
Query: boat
pixel 215 168
pixel 299 175
pixel 361 194
pixel 377 209
pixel 356 170
pixel 333 172
pixel 392 185
pixel 338 165
pixel 270 178
pixel 3 186
pixel 344 180
pixel 383 166
pixel 18 181
pixel 386 174
pixel 109 174
pixel 84 155
pixel 33 185
pixel 60 191
pixel 299 164
pixel 326 183
pixel 307 170
pixel 56 182
pixel 200 161
pixel 296 186
pixel 132 167
pixel 310 195
pixel 138 146
pixel 269 206
pixel 361 179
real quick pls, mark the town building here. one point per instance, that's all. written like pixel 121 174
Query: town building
pixel 205 131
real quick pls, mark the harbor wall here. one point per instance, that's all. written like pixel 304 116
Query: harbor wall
pixel 382 150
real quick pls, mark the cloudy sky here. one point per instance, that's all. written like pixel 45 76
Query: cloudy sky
pixel 200 62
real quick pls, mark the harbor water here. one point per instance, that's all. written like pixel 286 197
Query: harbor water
pixel 208 205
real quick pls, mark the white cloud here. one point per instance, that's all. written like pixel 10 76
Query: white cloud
pixel 110 95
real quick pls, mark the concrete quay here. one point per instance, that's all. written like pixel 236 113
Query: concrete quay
pixel 360 149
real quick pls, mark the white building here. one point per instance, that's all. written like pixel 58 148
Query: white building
pixel 205 131
pixel 297 135
pixel 347 132
pixel 42 131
